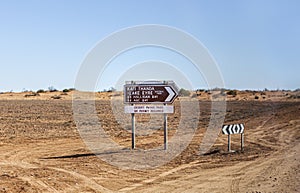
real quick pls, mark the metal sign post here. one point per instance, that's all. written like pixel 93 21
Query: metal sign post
pixel 165 130
pixel 133 131
pixel 242 141
pixel 229 148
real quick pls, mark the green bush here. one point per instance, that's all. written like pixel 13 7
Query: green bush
pixel 183 92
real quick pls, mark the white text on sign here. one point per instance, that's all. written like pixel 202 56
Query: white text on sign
pixel 149 109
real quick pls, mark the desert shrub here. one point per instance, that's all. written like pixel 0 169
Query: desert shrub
pixel 183 92
pixel 208 91
pixel 223 92
pixel 64 93
pixel 297 90
pixel 294 97
pixel 232 92
pixel 40 91
pixel 66 90
pixel 52 89
pixel 111 89
pixel 219 89
pixel 56 97
pixel 32 94
pixel 194 95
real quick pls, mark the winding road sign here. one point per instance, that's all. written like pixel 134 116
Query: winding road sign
pixel 150 92
pixel 233 129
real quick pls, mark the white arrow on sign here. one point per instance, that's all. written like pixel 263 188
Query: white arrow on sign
pixel 233 129
pixel 171 94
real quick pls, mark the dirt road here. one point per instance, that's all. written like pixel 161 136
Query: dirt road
pixel 41 151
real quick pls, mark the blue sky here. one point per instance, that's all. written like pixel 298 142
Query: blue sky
pixel 43 43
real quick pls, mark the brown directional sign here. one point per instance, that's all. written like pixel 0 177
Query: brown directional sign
pixel 150 93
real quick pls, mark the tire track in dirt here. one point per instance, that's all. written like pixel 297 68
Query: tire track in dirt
pixel 161 175
pixel 234 183
pixel 43 185
pixel 236 180
pixel 275 162
pixel 87 181
pixel 22 159
pixel 39 184
pixel 236 176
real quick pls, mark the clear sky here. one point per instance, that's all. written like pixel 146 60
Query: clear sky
pixel 43 43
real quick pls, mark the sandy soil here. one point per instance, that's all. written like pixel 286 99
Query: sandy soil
pixel 41 150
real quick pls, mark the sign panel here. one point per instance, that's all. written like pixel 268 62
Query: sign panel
pixel 150 92
pixel 149 109
pixel 233 129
